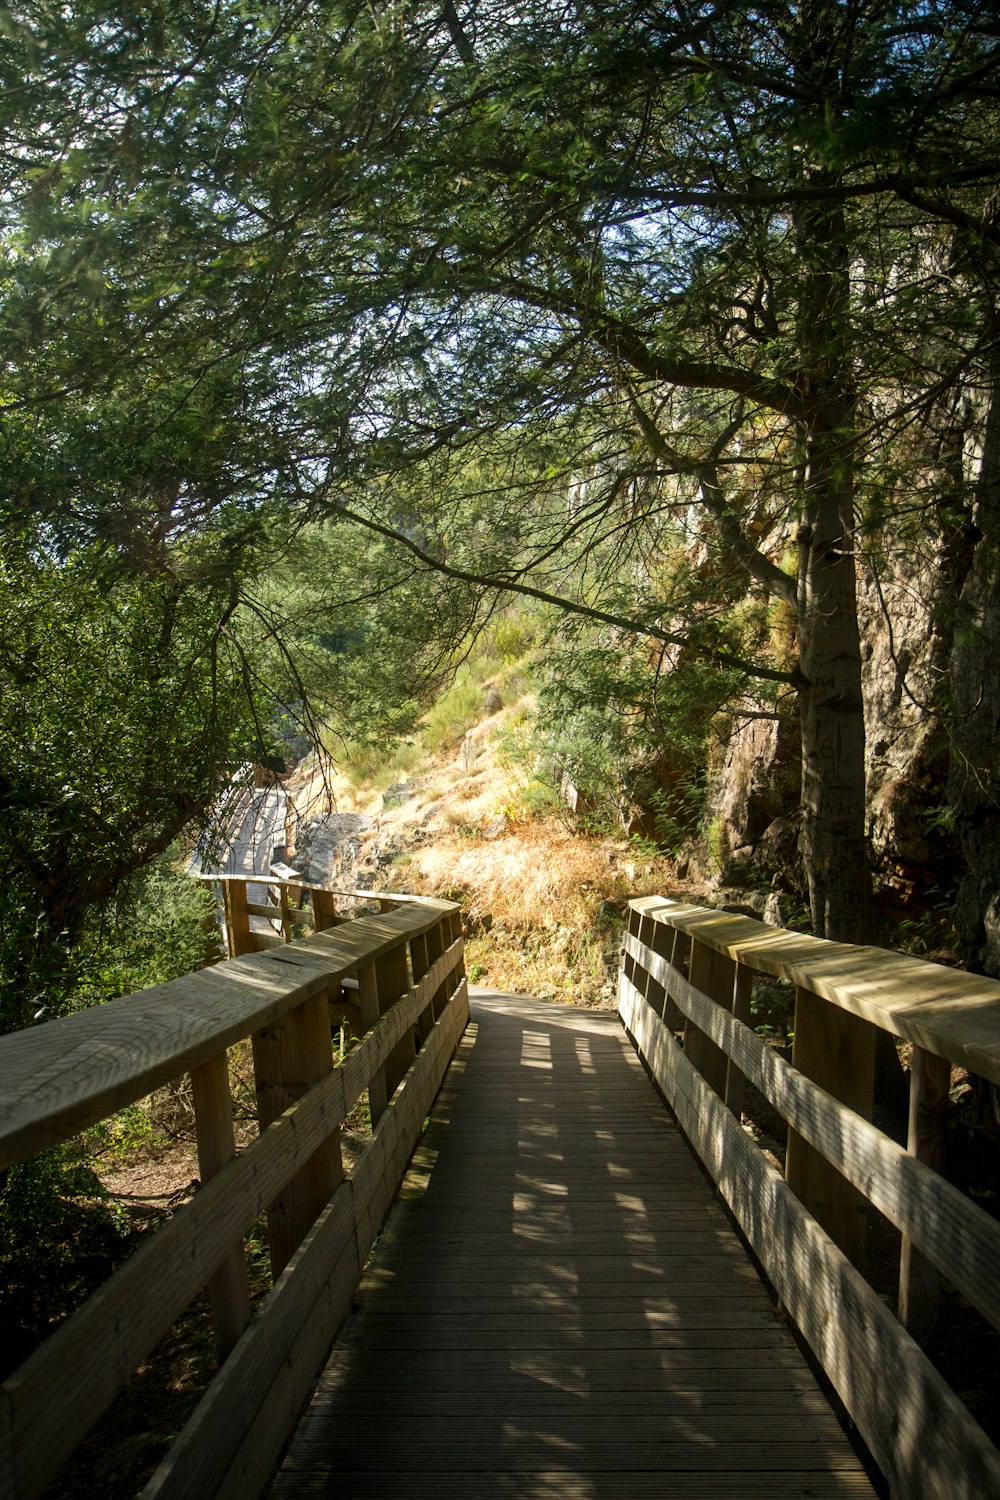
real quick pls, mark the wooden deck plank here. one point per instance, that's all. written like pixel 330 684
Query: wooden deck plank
pixel 559 1307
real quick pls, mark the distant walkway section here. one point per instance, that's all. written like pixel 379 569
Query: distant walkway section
pixel 559 1309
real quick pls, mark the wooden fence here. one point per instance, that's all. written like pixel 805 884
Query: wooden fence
pixel 60 1078
pixel 685 997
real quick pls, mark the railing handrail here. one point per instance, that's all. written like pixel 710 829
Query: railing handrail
pixel 64 1075
pixel 297 883
pixel 946 1011
pixel 685 997
pixel 322 1218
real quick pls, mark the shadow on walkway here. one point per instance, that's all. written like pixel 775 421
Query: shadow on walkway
pixel 558 1309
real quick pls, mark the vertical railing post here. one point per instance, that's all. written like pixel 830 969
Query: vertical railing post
pixel 680 957
pixel 420 962
pixel 651 988
pixel 286 913
pixel 392 979
pixel 735 1082
pixel 228 1287
pixel 630 966
pixel 289 1057
pixel 238 935
pixel 919 1283
pixel 324 910
pixel 712 973
pixel 378 1094
pixel 837 1051
pixel 438 940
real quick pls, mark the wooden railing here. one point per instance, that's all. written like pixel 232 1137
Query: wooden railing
pixel 293 906
pixel 685 997
pixel 60 1078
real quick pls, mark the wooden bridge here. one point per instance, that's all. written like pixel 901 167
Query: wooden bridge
pixel 561 1303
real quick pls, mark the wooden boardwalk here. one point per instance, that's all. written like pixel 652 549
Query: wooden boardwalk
pixel 559 1309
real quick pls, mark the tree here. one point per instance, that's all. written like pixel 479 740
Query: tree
pixel 644 203
pixel 701 242
pixel 124 705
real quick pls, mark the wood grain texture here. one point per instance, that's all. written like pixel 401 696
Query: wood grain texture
pixel 836 1050
pixel 919 1283
pixel 712 973
pixel 288 1059
pixel 947 1011
pixel 923 1438
pixel 52 1400
pixel 953 1232
pixel 558 1307
pixel 229 1287
pixel 230 1445
pixel 59 1078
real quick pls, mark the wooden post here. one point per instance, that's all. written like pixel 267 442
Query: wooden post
pixel 630 968
pixel 228 1287
pixel 919 1283
pixel 654 992
pixel 324 910
pixel 434 946
pixel 289 1058
pixel 378 1094
pixel 714 975
pixel 680 957
pixel 735 1082
pixel 837 1051
pixel 420 963
pixel 286 913
pixel 393 980
pixel 238 934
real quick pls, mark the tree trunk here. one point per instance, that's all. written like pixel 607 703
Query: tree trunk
pixel 831 708
pixel 974 773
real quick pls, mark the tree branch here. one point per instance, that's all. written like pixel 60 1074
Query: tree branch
pixel 515 585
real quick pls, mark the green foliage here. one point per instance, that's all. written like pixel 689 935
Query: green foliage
pixel 125 706
pixel 534 303
pixel 448 719
pixel 377 763
pixel 153 930
pixel 58 1240
pixel 631 736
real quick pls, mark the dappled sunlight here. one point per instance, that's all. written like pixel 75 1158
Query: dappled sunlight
pixel 568 1303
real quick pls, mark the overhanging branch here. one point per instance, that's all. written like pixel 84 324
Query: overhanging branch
pixel 516 585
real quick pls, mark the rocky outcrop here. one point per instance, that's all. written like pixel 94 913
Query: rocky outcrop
pixel 327 845
pixel 756 801
pixel 906 616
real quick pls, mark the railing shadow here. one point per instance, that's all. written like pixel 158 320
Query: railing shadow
pixel 564 1309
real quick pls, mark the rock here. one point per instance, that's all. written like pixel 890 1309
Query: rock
pixel 326 847
pixel 758 784
pixel 395 796
pixel 778 853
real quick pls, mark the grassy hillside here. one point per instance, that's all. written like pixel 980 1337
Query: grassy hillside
pixel 459 811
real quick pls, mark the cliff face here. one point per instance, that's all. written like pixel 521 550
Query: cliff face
pixel 930 622
pixel 974 676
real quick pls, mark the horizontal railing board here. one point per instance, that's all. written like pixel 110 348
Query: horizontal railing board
pixel 409 1108
pixel 946 1011
pixel 276 1362
pixel 960 1238
pixel 63 1076
pixel 920 1434
pixel 293 882
pixel 55 1396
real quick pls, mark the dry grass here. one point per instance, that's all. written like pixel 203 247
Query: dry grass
pixel 543 905
pixel 543 908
